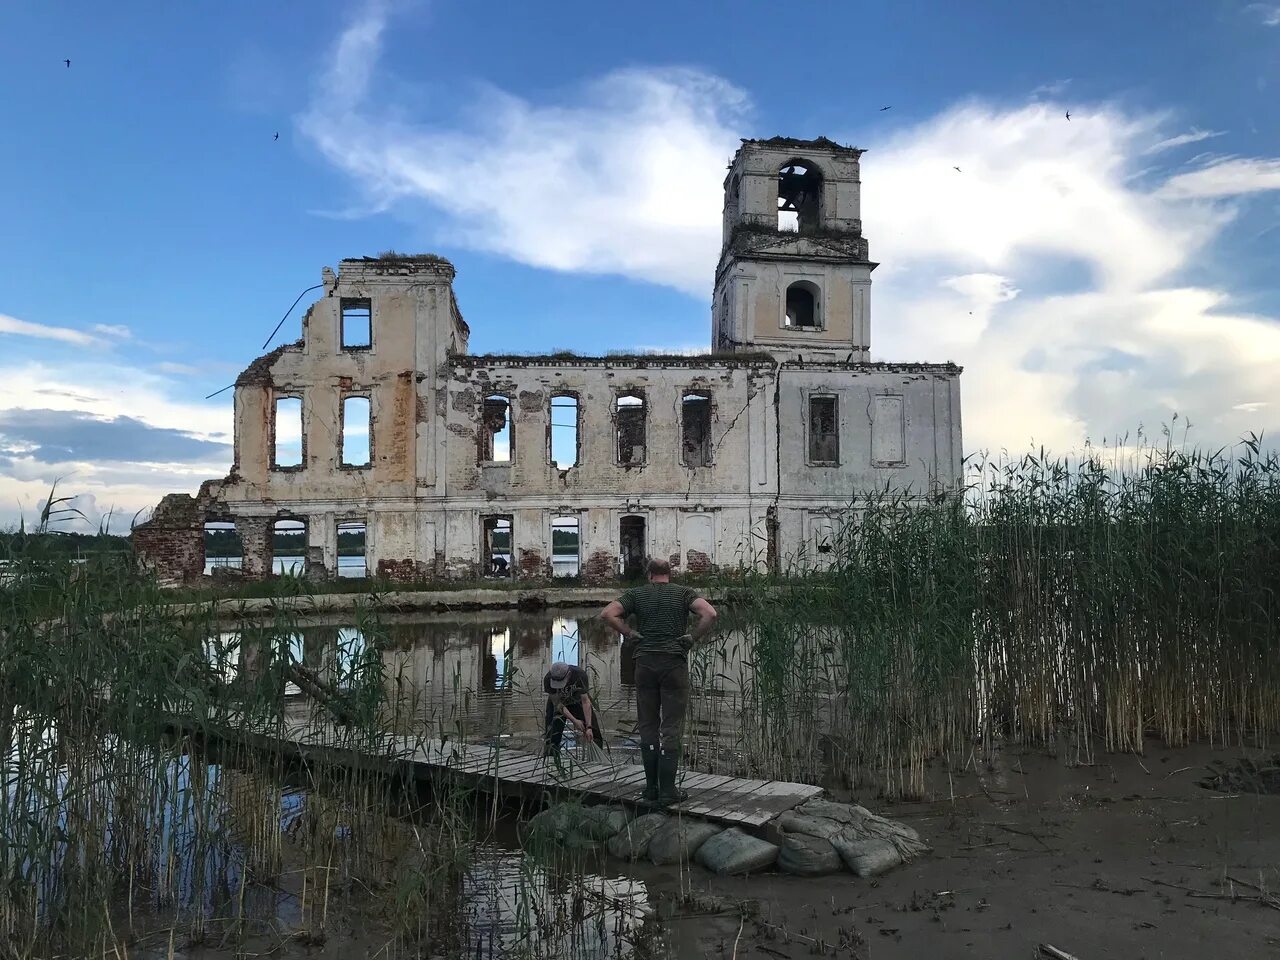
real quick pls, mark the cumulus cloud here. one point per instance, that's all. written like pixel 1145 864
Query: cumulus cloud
pixel 106 430
pixel 624 178
pixel 1268 13
pixel 40 331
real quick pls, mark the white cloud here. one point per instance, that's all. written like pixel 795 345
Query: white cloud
pixel 1053 267
pixel 104 390
pixel 1228 177
pixel 1268 13
pixel 625 178
pixel 117 330
pixel 1182 139
pixel 40 331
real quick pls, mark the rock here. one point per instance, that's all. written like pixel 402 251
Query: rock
pixel 807 856
pixel 605 821
pixel 632 841
pixel 677 840
pixel 734 852
pixel 867 858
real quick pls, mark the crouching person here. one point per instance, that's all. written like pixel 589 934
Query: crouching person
pixel 662 643
pixel 569 701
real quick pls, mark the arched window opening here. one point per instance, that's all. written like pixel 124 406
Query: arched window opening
pixel 802 305
pixel 562 433
pixel 630 423
pixel 799 198
pixel 566 547
pixel 495 432
pixel 695 429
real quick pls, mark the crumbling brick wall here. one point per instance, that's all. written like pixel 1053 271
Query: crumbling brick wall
pixel 172 541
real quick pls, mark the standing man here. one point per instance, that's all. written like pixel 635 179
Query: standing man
pixel 662 644
pixel 569 701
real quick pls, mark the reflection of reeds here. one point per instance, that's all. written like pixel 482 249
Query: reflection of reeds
pixel 1062 601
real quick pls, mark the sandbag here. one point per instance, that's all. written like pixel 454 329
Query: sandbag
pixel 677 840
pixel 807 856
pixel 552 824
pixel 867 858
pixel 734 852
pixel 603 822
pixel 809 825
pixel 632 841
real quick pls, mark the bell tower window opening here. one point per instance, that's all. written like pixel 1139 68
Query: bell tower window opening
pixel 824 431
pixel 495 430
pixel 799 198
pixel 803 306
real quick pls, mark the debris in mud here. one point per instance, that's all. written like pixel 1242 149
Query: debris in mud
pixel 1245 776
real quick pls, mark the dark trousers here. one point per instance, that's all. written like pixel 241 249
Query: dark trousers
pixel 662 696
pixel 556 723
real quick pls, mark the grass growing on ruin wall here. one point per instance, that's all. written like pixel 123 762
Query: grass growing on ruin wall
pixel 1064 602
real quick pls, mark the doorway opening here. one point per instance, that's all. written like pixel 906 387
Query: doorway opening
pixel 223 548
pixel 352 549
pixel 566 547
pixel 288 547
pixel 631 537
pixel 495 537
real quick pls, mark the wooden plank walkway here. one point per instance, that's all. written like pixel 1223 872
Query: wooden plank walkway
pixel 506 771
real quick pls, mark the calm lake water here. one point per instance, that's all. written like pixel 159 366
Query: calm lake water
pixel 478 676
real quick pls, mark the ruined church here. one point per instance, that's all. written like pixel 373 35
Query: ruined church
pixel 455 465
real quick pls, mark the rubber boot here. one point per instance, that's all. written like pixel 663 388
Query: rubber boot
pixel 649 756
pixel 668 767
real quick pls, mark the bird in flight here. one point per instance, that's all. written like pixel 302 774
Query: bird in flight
pixel 276 137
pixel 67 62
pixel 1068 114
pixel 889 107
pixel 956 169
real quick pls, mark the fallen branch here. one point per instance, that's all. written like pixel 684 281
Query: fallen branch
pixel 1049 950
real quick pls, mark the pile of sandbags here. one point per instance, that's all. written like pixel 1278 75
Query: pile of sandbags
pixel 818 837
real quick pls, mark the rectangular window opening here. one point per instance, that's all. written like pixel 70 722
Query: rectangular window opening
pixel 824 430
pixel 223 548
pixel 356 418
pixel 357 323
pixel 695 430
pixel 562 434
pixel 495 430
pixel 288 548
pixel 496 546
pixel 566 547
pixel 630 427
pixel 352 557
pixel 287 434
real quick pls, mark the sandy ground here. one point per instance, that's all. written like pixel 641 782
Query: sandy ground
pixel 1126 858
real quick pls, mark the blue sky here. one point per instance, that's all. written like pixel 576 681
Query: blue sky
pixel 1093 275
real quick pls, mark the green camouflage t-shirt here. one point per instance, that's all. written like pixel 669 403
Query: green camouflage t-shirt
pixel 662 616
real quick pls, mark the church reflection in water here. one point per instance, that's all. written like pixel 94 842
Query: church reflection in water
pixel 478 676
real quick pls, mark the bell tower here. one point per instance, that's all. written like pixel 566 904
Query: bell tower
pixel 794 277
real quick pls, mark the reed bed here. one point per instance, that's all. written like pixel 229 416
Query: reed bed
pixel 1072 603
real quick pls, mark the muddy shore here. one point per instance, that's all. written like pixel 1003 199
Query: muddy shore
pixel 1127 858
